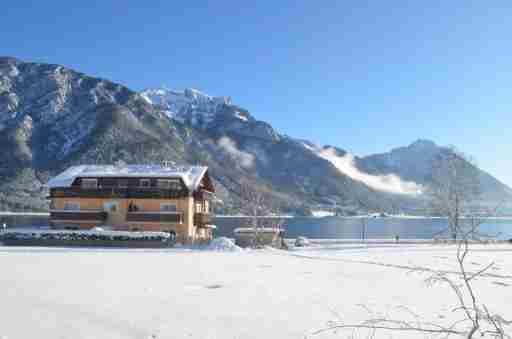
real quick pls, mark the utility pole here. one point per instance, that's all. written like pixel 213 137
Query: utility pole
pixel 364 223
pixel 364 220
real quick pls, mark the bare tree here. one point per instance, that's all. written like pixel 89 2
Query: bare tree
pixel 455 192
pixel 476 320
pixel 455 189
pixel 257 205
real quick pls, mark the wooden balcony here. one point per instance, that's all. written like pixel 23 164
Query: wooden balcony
pixel 202 195
pixel 147 216
pixel 82 215
pixel 118 193
pixel 202 219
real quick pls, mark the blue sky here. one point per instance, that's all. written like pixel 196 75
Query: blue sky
pixel 364 76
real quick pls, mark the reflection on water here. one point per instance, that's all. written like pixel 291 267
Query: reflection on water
pixel 324 228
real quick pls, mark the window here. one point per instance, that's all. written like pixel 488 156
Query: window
pixel 71 206
pixel 160 183
pixel 202 206
pixel 145 183
pixel 122 183
pixel 90 183
pixel 166 207
pixel 199 207
pixel 173 184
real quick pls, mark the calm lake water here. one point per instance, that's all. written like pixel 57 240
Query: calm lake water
pixel 324 228
pixel 376 228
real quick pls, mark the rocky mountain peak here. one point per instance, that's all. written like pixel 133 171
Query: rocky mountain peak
pixel 423 143
pixel 52 117
pixel 168 98
pixel 199 96
pixel 189 105
pixel 7 60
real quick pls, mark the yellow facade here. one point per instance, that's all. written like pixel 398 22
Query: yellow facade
pixel 116 218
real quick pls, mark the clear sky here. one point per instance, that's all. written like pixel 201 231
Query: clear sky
pixel 364 76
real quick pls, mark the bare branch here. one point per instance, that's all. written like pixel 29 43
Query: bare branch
pixel 390 325
pixel 455 195
pixel 482 271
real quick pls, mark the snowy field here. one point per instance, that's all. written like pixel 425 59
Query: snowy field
pixel 187 293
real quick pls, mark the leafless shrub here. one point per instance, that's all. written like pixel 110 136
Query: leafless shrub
pixel 455 188
pixel 455 192
pixel 474 318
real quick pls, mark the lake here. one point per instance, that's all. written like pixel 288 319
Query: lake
pixel 376 228
pixel 324 228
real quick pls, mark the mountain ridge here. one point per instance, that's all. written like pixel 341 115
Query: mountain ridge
pixel 52 117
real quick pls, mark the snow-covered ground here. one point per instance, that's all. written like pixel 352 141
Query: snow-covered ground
pixel 193 293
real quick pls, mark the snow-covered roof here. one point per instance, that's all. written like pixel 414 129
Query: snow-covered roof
pixel 191 175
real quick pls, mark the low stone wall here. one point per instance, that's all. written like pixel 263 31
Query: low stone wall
pixel 87 243
pixel 89 238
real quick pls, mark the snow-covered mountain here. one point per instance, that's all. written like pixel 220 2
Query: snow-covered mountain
pixel 190 105
pixel 346 163
pixel 52 117
pixel 203 111
pixel 414 163
pixel 403 171
pixel 217 115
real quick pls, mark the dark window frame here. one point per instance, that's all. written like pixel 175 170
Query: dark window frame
pixel 142 181
pixel 162 209
pixel 89 180
pixel 68 204
pixel 122 183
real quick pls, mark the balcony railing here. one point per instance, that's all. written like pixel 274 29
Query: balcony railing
pixel 118 193
pixel 166 217
pixel 201 219
pixel 82 215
